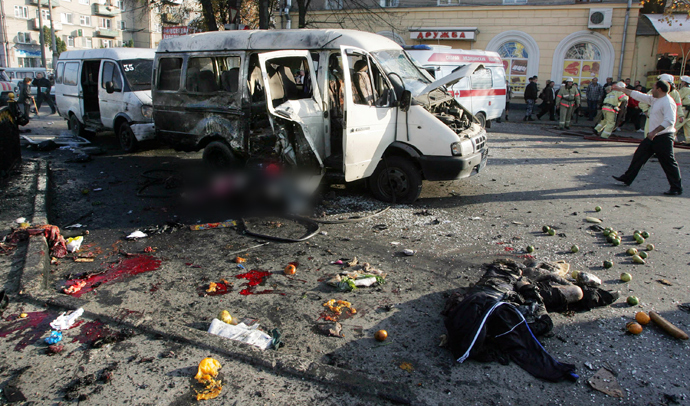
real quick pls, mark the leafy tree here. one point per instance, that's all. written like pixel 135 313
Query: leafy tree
pixel 59 43
pixel 128 44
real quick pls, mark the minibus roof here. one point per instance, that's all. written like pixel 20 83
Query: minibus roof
pixel 276 40
pixel 109 53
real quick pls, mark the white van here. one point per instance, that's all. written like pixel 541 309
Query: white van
pixel 107 89
pixel 363 109
pixel 483 92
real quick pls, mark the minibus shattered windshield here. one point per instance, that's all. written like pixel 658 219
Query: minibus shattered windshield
pixel 396 61
pixel 138 73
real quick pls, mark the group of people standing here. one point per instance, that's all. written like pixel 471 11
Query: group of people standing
pixel 566 99
pixel 25 101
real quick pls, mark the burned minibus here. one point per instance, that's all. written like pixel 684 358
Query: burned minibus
pixel 341 102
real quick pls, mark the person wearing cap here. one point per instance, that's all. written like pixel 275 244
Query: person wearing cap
pixel 659 140
pixel 683 123
pixel 568 97
pixel 531 95
pixel 25 99
pixel 611 106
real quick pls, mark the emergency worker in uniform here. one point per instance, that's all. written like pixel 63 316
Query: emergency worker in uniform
pixel 568 99
pixel 683 123
pixel 610 108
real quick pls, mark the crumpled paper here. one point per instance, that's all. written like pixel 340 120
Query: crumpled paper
pixel 241 332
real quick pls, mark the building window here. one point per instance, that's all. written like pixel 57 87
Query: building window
pixel 29 62
pixel 448 2
pixel 158 28
pixel 334 4
pixel 84 2
pixel 508 2
pixel 66 18
pixel 70 42
pixel 515 58
pixel 121 5
pixel 582 62
pixel 106 43
pixel 123 25
pixel 21 11
pixel 24 37
pixel 85 21
pixel 105 23
pixel 45 14
pixel 389 3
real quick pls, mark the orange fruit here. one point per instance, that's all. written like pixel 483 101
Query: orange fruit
pixel 634 327
pixel 642 318
pixel 290 270
pixel 381 335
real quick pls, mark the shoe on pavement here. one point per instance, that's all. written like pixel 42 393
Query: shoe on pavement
pixel 621 179
pixel 673 192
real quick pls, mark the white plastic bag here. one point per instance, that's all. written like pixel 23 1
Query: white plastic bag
pixel 249 335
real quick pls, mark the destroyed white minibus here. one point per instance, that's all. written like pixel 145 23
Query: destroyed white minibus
pixel 360 107
pixel 483 92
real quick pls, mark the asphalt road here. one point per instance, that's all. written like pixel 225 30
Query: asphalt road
pixel 535 176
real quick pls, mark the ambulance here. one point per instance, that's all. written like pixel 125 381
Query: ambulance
pixel 483 93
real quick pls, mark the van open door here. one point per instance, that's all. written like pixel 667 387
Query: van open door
pixel 295 109
pixel 368 127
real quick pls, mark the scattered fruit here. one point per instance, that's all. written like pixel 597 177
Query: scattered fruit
pixel 637 232
pixel 607 232
pixel 642 318
pixel 638 259
pixel 225 316
pixel 552 231
pixel 290 269
pixel 643 254
pixel 574 249
pixel 631 251
pixel 23 315
pixel 381 335
pixel 645 234
pixel 633 300
pixel 593 220
pixel 530 249
pixel 616 242
pixel 574 274
pixel 626 277
pixel 634 327
pixel 608 264
pixel 667 326
pixel 598 208
pixel 650 247
pixel 545 229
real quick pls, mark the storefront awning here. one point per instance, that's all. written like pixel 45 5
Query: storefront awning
pixel 673 28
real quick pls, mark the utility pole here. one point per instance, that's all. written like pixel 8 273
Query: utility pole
pixel 52 32
pixel 40 35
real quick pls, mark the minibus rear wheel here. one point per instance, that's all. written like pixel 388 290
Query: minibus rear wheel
pixel 77 127
pixel 396 179
pixel 217 156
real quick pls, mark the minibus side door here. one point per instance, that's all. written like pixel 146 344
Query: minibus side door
pixel 368 127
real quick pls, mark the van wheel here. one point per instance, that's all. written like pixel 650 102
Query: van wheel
pixel 481 118
pixel 396 179
pixel 128 141
pixel 217 156
pixel 77 127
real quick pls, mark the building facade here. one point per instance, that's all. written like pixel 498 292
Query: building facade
pixel 552 39
pixel 83 24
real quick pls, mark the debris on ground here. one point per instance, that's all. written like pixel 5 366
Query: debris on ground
pixel 363 275
pixel 56 242
pixel 406 366
pixel 74 243
pixel 333 329
pixel 79 388
pixel 54 338
pixel 206 375
pixel 66 321
pixel 216 288
pixel 241 332
pixel 335 309
pixel 667 326
pixel 500 316
pixel 604 381
pixel 136 235
pixel 130 266
pixel 210 226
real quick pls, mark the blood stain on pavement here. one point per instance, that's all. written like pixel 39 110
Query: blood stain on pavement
pixel 126 267
pixel 30 328
pixel 254 278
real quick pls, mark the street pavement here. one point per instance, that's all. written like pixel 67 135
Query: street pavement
pixel 535 176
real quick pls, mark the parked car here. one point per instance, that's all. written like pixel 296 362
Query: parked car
pixel 6 87
pixel 483 92
pixel 107 89
pixel 233 94
pixel 17 75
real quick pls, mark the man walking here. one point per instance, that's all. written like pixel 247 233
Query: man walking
pixel 568 97
pixel 531 92
pixel 43 86
pixel 659 141
pixel 595 92
pixel 25 99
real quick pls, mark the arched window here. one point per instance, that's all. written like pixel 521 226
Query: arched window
pixel 515 58
pixel 582 62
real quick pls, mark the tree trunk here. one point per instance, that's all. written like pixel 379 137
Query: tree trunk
pixel 209 15
pixel 263 14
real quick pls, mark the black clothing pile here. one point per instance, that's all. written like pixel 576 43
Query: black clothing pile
pixel 499 317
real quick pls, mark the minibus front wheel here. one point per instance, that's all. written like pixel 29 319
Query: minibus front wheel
pixel 481 117
pixel 217 156
pixel 396 180
pixel 128 142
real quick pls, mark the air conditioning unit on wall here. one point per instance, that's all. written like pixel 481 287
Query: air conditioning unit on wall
pixel 599 18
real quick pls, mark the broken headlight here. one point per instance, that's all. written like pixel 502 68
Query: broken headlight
pixel 462 148
pixel 147 111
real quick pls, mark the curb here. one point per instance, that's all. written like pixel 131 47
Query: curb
pixel 34 286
